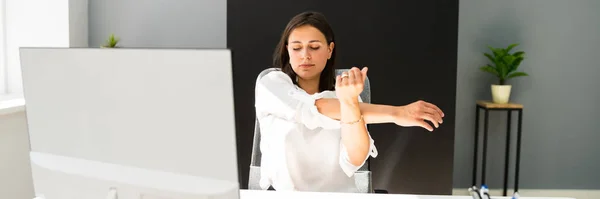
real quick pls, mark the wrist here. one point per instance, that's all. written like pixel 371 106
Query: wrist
pixel 349 101
pixel 395 113
pixel 350 111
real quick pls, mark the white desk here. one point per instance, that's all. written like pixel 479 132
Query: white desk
pixel 256 194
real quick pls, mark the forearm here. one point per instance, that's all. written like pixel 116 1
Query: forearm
pixel 354 131
pixel 373 113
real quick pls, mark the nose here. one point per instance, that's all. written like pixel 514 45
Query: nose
pixel 305 54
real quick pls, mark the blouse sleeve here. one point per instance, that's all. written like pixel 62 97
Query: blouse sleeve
pixel 345 163
pixel 276 94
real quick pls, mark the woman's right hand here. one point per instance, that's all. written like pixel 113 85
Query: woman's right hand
pixel 350 84
pixel 416 113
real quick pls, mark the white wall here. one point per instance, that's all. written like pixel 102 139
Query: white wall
pixel 15 170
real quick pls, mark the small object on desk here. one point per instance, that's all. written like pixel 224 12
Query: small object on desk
pixel 474 192
pixel 484 192
pixel 515 195
pixel 112 193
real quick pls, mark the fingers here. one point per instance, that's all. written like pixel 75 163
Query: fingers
pixel 345 77
pixel 424 124
pixel 364 73
pixel 435 115
pixel 435 108
pixel 354 77
pixel 433 119
pixel 432 107
pixel 429 112
pixel 357 76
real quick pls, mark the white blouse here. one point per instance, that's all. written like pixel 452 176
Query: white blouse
pixel 301 148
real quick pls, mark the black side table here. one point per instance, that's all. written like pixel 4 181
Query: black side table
pixel 509 108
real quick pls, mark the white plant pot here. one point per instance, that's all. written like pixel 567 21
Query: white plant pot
pixel 501 93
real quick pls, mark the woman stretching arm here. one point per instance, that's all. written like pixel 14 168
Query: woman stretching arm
pixel 312 124
pixel 354 133
pixel 413 114
pixel 355 137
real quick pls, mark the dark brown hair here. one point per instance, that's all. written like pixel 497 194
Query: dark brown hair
pixel 281 58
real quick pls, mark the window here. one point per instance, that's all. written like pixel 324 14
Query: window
pixel 3 68
pixel 11 35
pixel 61 23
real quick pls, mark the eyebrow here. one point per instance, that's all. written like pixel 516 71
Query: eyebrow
pixel 311 41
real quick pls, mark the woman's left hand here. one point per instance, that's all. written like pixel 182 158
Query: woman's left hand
pixel 416 113
pixel 350 84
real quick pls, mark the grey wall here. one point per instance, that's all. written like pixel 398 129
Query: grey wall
pixel 560 127
pixel 159 23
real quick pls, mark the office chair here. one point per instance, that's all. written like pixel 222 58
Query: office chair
pixel 362 177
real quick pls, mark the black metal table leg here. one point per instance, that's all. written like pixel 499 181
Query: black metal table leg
pixel 518 150
pixel 488 106
pixel 485 137
pixel 507 152
pixel 476 142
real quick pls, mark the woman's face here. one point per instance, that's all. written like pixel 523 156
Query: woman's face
pixel 308 51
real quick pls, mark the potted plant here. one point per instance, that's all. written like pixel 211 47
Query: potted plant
pixel 111 42
pixel 504 65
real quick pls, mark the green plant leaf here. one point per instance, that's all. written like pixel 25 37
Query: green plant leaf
pixel 515 63
pixel 495 51
pixel 510 47
pixel 502 69
pixel 499 54
pixel 111 42
pixel 517 74
pixel 489 69
pixel 519 54
pixel 490 57
pixel 491 48
pixel 508 60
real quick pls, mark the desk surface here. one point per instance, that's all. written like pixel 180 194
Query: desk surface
pixel 257 194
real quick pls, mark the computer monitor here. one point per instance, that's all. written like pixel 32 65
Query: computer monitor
pixel 148 123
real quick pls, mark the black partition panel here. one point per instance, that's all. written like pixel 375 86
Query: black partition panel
pixel 410 48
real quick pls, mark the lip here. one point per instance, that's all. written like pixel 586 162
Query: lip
pixel 306 65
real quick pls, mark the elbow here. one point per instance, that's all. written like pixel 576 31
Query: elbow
pixel 357 149
pixel 356 162
pixel 358 157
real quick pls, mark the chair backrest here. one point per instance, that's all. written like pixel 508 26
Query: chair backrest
pixel 363 175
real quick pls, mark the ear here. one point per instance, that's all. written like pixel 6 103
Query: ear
pixel 331 46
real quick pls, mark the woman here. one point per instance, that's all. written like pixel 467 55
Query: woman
pixel 313 124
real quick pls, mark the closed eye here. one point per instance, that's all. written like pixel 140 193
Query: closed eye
pixel 313 48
